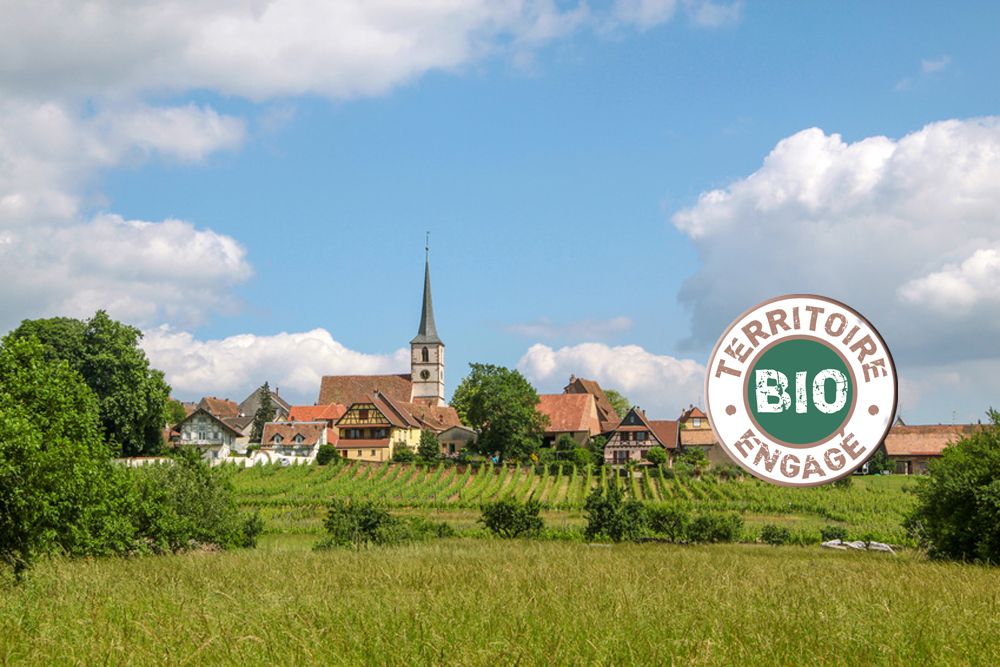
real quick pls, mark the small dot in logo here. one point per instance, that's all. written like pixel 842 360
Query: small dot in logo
pixel 731 410
pixel 873 410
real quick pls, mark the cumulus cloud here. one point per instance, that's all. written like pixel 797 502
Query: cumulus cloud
pixel 234 366
pixel 661 385
pixel 259 49
pixel 589 329
pixel 905 231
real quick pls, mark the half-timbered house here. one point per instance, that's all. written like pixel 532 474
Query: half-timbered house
pixel 374 427
pixel 636 435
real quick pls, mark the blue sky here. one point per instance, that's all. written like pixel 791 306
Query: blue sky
pixel 606 186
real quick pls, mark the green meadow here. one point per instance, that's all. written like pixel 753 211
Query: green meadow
pixel 492 602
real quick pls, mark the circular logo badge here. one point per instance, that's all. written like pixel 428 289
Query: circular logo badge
pixel 800 390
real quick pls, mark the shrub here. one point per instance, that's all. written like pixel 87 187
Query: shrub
pixel 771 534
pixel 958 505
pixel 326 454
pixel 580 457
pixel 658 456
pixel 610 515
pixel 509 518
pixel 829 533
pixel 668 519
pixel 403 454
pixel 359 522
pixel 565 443
pixel 429 448
pixel 715 527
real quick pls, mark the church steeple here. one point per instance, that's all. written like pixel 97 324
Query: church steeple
pixel 427 333
pixel 426 349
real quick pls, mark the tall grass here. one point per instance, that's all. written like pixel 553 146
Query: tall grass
pixel 492 602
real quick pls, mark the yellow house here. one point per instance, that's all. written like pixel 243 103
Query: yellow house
pixel 374 427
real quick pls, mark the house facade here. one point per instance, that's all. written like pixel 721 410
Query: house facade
pixel 573 414
pixel 298 438
pixel 373 428
pixel 636 435
pixel 209 434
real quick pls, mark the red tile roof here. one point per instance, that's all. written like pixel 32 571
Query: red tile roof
pixel 222 408
pixel 665 431
pixel 311 432
pixel 316 413
pixel 177 426
pixel 691 413
pixel 924 440
pixel 569 413
pixel 605 411
pixel 432 417
pixel 350 389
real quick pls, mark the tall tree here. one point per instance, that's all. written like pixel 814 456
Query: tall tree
pixel 264 414
pixel 131 395
pixel 429 448
pixel 501 404
pixel 618 402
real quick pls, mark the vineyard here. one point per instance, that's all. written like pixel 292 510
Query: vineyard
pixel 298 494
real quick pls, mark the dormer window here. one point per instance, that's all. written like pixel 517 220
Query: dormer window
pixel 277 439
pixel 697 422
pixel 299 439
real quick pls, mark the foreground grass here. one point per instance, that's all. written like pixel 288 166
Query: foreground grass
pixel 487 602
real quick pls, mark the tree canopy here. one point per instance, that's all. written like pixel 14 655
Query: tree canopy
pixel 264 414
pixel 429 448
pixel 618 402
pixel 958 504
pixel 501 404
pixel 131 396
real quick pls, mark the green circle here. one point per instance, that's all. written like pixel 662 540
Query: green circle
pixel 781 418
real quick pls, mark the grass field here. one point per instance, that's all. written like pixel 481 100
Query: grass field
pixel 489 602
pixel 293 499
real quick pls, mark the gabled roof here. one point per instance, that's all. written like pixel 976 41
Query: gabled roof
pixel 432 417
pixel 666 432
pixel 312 432
pixel 691 413
pixel 251 403
pixel 220 407
pixel 396 413
pixel 605 411
pixel 314 413
pixel 203 411
pixel 569 413
pixel 924 440
pixel 240 424
pixel 350 389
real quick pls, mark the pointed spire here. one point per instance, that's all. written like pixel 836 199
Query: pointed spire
pixel 428 331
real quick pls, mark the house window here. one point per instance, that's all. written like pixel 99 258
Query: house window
pixel 379 433
pixel 201 435
pixel 373 452
pixel 697 422
pixel 298 439
pixel 425 355
pixel 353 434
pixel 277 439
pixel 344 453
pixel 362 414
pixel 641 436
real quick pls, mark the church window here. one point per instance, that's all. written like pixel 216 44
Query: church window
pixel 425 355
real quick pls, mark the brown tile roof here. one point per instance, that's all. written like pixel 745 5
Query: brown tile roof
pixel 665 431
pixel 362 443
pixel 397 414
pixel 350 389
pixel 605 411
pixel 432 417
pixel 311 432
pixel 316 413
pixel 251 403
pixel 691 413
pixel 222 408
pixel 924 440
pixel 241 424
pixel 569 413
pixel 697 436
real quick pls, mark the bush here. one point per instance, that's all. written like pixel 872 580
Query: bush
pixel 359 522
pixel 403 454
pixel 771 534
pixel 658 456
pixel 958 505
pixel 715 527
pixel 326 454
pixel 829 533
pixel 668 519
pixel 610 515
pixel 429 448
pixel 565 443
pixel 509 518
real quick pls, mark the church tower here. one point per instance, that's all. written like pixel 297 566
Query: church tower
pixel 427 351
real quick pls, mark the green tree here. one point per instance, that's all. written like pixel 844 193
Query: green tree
pixel 509 518
pixel 501 404
pixel 565 443
pixel 658 456
pixel 326 454
pixel 429 448
pixel 618 402
pixel 264 414
pixel 131 396
pixel 880 461
pixel 56 478
pixel 403 453
pixel 957 515
pixel 174 412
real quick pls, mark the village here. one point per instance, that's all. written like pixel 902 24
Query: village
pixel 370 418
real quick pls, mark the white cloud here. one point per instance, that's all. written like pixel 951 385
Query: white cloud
pixel 929 66
pixel 904 231
pixel 234 366
pixel 589 329
pixel 661 385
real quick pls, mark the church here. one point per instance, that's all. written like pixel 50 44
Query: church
pixel 423 385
